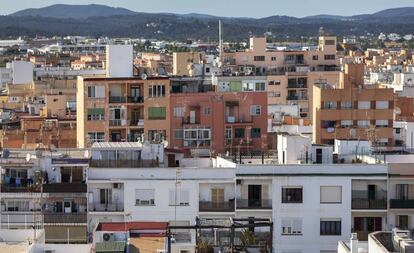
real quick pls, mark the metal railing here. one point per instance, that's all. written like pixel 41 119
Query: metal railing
pixel 402 203
pixel 106 207
pixel 64 218
pixel 136 100
pixel 362 200
pixel 209 206
pixel 115 122
pixel 254 204
pixel 117 99
pixel 124 164
pixel 64 187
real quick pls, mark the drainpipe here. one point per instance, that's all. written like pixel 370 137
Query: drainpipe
pixel 354 243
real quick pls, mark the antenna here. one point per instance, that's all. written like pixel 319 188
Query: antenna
pixel 220 42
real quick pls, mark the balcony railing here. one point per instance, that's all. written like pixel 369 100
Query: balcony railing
pixel 108 207
pixel 363 235
pixel 254 204
pixel 136 100
pixel 190 121
pixel 294 97
pixel 361 200
pixel 59 218
pixel 124 164
pixel 19 220
pixel 115 122
pixel 20 189
pixel 208 206
pixel 402 203
pixel 117 100
pixel 297 86
pixel 65 188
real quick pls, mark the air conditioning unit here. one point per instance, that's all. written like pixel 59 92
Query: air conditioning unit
pixel 108 237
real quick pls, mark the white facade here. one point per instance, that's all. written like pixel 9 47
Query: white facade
pixel 22 72
pixel 119 60
pixel 291 149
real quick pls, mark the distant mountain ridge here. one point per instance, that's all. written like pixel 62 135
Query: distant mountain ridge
pixel 63 20
pixel 74 11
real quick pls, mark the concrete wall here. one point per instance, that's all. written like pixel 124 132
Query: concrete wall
pixel 119 60
pixel 22 72
pixel 61 248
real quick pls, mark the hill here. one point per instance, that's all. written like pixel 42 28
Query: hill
pixel 74 11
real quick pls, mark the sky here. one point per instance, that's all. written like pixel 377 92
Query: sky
pixel 230 8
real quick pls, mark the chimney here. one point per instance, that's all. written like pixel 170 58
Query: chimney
pixel 354 243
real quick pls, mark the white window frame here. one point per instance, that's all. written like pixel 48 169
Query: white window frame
pixel 145 201
pixel 291 226
pixel 255 110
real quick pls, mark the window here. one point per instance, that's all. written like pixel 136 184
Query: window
pixel 96 114
pixel 315 57
pixel 381 123
pixel 97 91
pixel 346 123
pixel 402 221
pixel 363 123
pixel 292 195
pixel 273 58
pixel 291 226
pixel 207 70
pixel 178 111
pixel 398 130
pixel 144 197
pixel 156 90
pixel 329 105
pixel 183 198
pixel 155 113
pixel 381 104
pixel 255 133
pixel 259 58
pixel 207 110
pixel 255 110
pixel 331 194
pixel 239 133
pixel 178 134
pixel 96 137
pixel 156 136
pixel 330 227
pixel 364 105
pixel 329 57
pixel 346 105
pixel 260 87
pixel 329 42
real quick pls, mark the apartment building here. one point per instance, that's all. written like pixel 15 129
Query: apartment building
pixel 122 109
pixel 182 61
pixel 354 111
pixel 219 122
pixel 44 193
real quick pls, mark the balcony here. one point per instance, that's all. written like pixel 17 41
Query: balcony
pixel 296 97
pixel 239 120
pixel 59 218
pixel 361 201
pixel 136 100
pixel 117 100
pixel 106 207
pixel 191 121
pixel 297 86
pixel 124 164
pixel 65 188
pixel 208 206
pixel 401 203
pixel 254 204
pixel 20 189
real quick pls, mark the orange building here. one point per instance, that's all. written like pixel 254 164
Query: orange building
pixel 354 111
pixel 122 109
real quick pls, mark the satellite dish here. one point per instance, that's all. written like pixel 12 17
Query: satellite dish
pixel 86 154
pixel 144 76
pixel 165 143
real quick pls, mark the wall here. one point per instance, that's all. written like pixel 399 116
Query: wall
pixel 119 60
pixel 22 72
pixel 61 248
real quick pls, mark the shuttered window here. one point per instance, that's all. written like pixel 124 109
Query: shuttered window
pixel 331 194
pixel 144 197
pixel 183 198
pixel 156 113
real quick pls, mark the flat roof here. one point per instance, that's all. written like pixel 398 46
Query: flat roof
pixel 333 170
